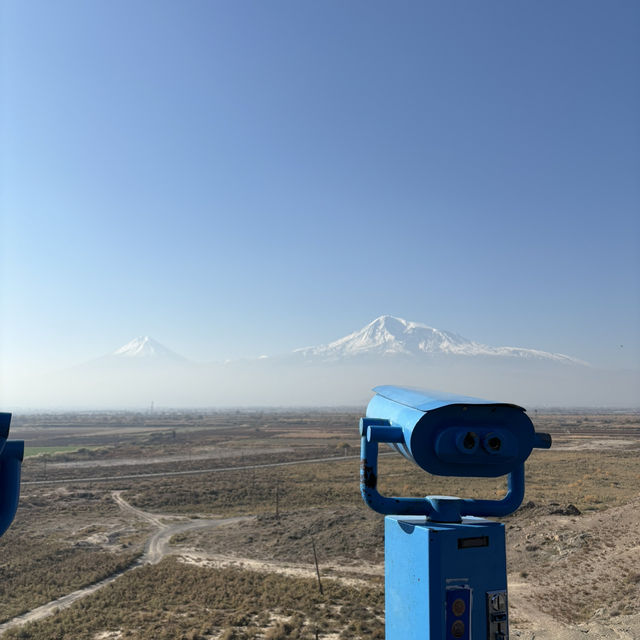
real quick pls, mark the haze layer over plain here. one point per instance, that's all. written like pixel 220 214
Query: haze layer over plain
pixel 339 373
pixel 237 181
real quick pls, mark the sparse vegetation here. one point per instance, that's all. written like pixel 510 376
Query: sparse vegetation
pixel 67 537
pixel 54 547
pixel 172 600
pixel 577 477
pixel 50 452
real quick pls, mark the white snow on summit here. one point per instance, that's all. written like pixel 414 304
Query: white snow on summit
pixel 145 347
pixel 389 336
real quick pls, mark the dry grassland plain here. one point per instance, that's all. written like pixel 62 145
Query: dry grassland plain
pixel 201 532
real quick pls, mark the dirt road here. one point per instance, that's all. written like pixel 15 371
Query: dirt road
pixel 156 548
pixel 193 472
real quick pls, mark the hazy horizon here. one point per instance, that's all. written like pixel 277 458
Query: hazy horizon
pixel 387 350
pixel 239 181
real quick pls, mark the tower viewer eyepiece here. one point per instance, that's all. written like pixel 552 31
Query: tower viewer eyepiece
pixel 447 435
pixel 445 567
pixel 11 455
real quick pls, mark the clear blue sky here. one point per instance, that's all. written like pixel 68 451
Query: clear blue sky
pixel 237 178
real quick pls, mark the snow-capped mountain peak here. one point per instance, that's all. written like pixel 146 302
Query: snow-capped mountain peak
pixel 391 336
pixel 388 335
pixel 145 347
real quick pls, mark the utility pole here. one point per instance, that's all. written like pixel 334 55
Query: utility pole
pixel 315 559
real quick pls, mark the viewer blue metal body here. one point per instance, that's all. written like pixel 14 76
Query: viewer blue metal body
pixel 445 574
pixel 11 454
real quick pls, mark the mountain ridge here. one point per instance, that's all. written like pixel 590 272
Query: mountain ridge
pixel 385 337
pixel 388 350
pixel 389 336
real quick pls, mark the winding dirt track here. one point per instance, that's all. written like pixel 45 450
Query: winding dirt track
pixel 156 548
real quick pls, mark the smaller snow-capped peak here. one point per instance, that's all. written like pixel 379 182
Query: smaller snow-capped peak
pixel 146 347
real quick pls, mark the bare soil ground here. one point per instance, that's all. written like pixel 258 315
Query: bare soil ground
pixel 573 548
pixel 569 574
pixel 575 574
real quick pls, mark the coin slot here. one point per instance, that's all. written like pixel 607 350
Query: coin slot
pixel 473 543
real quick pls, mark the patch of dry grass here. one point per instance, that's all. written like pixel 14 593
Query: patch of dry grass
pixel 172 600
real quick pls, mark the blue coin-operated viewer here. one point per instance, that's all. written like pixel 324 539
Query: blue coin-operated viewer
pixel 445 566
pixel 11 454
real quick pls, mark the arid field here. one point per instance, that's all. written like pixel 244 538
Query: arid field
pixel 203 525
